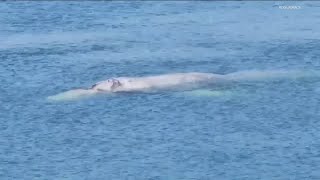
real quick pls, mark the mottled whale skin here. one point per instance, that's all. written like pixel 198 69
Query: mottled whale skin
pixel 158 82
pixel 174 81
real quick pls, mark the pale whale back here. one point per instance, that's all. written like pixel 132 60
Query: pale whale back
pixel 167 81
pixel 178 82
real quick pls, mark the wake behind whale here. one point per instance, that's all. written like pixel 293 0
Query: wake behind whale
pixel 177 82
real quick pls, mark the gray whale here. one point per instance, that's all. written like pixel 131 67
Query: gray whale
pixel 158 82
pixel 174 81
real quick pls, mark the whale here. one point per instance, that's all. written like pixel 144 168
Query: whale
pixel 191 81
pixel 157 82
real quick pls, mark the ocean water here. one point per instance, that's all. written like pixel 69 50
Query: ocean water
pixel 260 130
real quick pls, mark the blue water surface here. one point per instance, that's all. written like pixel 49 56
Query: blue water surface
pixel 267 130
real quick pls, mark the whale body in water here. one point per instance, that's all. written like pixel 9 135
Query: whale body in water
pixel 173 81
pixel 157 82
